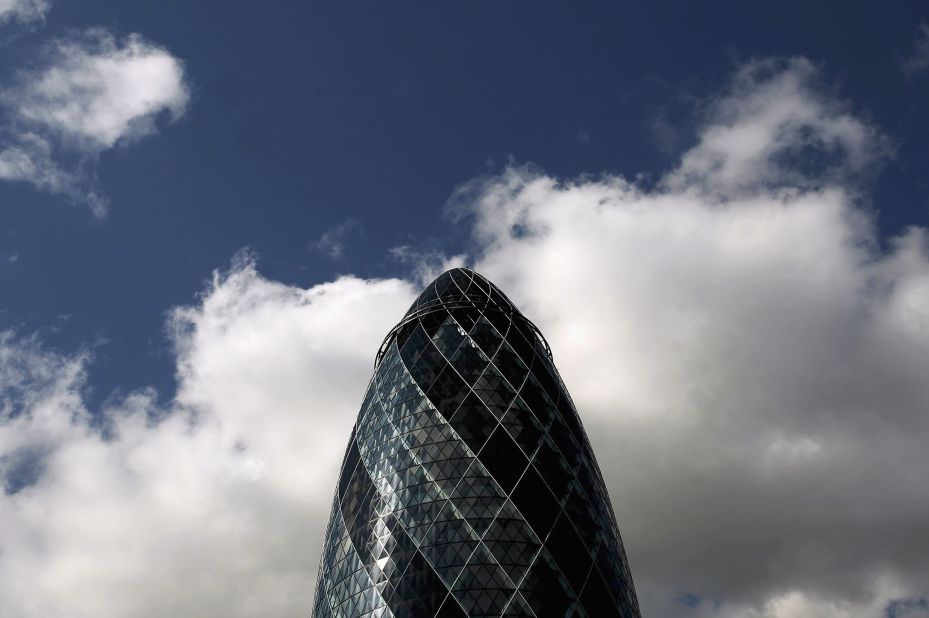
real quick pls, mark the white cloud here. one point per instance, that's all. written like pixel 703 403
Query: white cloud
pixel 749 365
pixel 213 506
pixel 24 11
pixel 751 368
pixel 89 94
pixel 332 242
pixel 774 127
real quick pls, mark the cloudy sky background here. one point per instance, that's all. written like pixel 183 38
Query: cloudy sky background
pixel 739 305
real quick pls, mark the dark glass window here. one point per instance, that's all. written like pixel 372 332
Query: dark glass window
pixel 473 422
pixel 569 552
pixel 535 502
pixel 503 459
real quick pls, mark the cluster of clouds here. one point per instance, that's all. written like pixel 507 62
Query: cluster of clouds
pixel 211 505
pixel 87 93
pixel 749 363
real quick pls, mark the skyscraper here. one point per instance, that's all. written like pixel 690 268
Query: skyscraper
pixel 469 487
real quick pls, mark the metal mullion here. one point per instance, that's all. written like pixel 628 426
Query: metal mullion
pixel 470 274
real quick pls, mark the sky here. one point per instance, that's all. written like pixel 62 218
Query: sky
pixel 210 216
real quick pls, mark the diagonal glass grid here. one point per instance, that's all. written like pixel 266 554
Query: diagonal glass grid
pixel 469 487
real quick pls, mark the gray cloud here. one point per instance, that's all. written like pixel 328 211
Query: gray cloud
pixel 918 60
pixel 749 365
pixel 24 11
pixel 88 94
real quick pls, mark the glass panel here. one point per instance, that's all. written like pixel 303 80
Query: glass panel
pixel 451 609
pixel 523 427
pixel 503 459
pixel 469 362
pixel 483 588
pixel 569 552
pixel 473 422
pixel 448 337
pixel 535 502
pixel 486 336
pixel 596 597
pixel 553 468
pixel 546 589
pixel 466 316
pixel 419 593
pixel 518 607
pixel 447 392
pixel 494 391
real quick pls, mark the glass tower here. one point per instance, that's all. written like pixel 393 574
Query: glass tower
pixel 469 487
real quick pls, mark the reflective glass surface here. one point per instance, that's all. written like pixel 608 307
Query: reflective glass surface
pixel 469 487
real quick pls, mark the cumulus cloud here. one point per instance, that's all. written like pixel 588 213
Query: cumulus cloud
pixel 24 11
pixel 90 93
pixel 213 505
pixel 750 366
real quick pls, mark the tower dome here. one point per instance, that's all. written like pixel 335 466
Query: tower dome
pixel 469 487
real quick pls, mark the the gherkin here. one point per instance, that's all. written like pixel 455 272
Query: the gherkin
pixel 469 487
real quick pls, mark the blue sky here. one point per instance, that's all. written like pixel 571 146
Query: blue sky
pixel 314 140
pixel 305 116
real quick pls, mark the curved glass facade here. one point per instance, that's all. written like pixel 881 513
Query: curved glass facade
pixel 469 487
